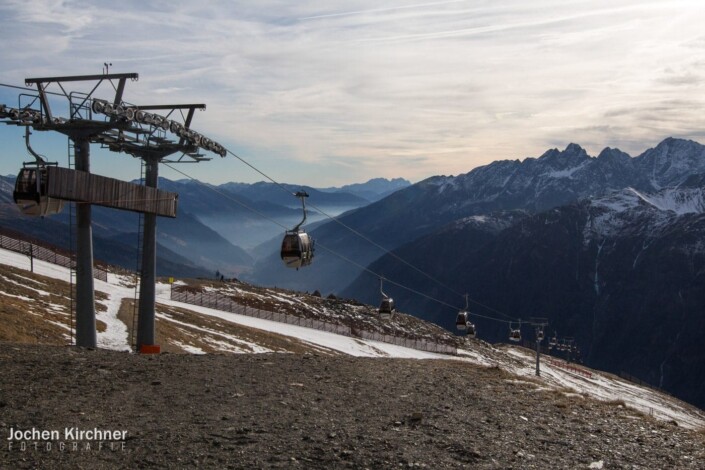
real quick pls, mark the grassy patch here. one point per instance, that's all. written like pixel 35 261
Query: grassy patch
pixel 36 309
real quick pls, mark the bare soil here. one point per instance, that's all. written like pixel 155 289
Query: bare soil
pixel 313 411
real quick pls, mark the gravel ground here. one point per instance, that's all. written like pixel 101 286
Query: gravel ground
pixel 310 411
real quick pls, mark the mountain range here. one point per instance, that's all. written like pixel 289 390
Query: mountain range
pixel 608 248
pixel 533 184
pixel 620 269
pixel 217 228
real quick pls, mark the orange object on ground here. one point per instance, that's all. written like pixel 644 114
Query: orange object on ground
pixel 150 349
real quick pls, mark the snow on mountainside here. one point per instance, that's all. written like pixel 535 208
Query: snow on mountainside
pixel 39 296
pixel 630 210
pixel 556 178
pixel 667 163
pixel 559 177
pixel 374 189
pixel 621 273
pixel 680 201
pixel 490 223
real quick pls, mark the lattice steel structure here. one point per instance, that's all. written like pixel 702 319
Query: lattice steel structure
pixel 120 127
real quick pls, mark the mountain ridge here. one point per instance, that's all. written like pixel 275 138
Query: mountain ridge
pixel 622 273
pixel 556 178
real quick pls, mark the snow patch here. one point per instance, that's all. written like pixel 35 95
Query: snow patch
pixel 567 173
pixel 188 348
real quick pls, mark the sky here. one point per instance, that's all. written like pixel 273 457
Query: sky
pixel 327 93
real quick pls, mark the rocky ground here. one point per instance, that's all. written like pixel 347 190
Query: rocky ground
pixel 312 411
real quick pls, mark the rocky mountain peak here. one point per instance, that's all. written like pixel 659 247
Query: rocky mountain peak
pixel 575 149
pixel 571 156
pixel 671 162
pixel 614 155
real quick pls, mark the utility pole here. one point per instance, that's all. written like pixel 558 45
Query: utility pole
pixel 539 324
pixel 570 342
pixel 30 253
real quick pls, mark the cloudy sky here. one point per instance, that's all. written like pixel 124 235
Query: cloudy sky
pixel 329 92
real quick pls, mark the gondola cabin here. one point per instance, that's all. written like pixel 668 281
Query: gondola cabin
pixel 539 336
pixel 386 307
pixel 472 332
pixel 30 193
pixel 297 249
pixel 515 335
pixel 461 321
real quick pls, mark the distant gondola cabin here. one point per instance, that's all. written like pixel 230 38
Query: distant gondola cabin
pixel 461 321
pixel 386 307
pixel 515 335
pixel 472 332
pixel 297 249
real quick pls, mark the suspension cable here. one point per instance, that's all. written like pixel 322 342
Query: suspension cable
pixel 335 219
pixel 407 288
pixel 385 250
pixel 227 196
pixel 333 252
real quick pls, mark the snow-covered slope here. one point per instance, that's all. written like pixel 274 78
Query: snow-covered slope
pixel 516 360
pixel 115 334
pixel 630 210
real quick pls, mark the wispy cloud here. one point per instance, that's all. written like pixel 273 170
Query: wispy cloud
pixel 318 95
pixel 382 10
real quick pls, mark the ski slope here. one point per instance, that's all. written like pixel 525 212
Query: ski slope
pixel 514 360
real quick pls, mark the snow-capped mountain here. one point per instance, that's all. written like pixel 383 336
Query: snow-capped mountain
pixel 622 273
pixel 671 162
pixel 617 213
pixel 374 189
pixel 556 178
pixel 559 177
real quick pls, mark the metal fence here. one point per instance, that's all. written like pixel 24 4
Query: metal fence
pixel 569 367
pixel 226 304
pixel 420 344
pixel 45 254
pixel 636 380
